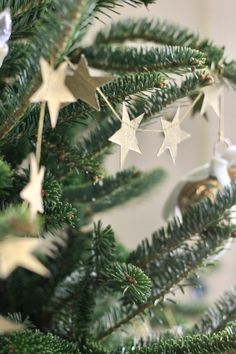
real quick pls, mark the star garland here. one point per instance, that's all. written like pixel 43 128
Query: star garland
pixel 58 88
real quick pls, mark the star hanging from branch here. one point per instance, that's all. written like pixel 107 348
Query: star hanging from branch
pixel 211 98
pixel 7 326
pixel 32 192
pixel 84 86
pixel 53 89
pixel 173 135
pixel 126 135
pixel 18 252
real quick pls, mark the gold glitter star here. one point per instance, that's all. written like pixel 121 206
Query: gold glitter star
pixel 173 136
pixel 32 192
pixel 126 135
pixel 84 86
pixel 53 89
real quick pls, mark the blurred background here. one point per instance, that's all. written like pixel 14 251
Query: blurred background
pixel 138 219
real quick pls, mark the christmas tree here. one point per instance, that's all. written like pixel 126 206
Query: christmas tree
pixel 67 285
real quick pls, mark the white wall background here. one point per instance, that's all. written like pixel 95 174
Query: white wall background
pixel 139 218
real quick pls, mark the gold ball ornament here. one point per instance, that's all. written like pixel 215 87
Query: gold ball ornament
pixel 193 192
pixel 232 173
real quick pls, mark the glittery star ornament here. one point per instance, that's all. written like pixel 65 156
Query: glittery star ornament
pixel 32 192
pixel 18 252
pixel 212 98
pixel 126 135
pixel 53 89
pixel 5 33
pixel 7 326
pixel 84 86
pixel 173 136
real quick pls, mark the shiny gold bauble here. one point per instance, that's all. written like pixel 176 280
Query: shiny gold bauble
pixel 232 173
pixel 193 192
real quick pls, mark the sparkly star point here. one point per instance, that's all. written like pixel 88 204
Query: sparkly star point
pixel 126 135
pixel 84 86
pixel 32 192
pixel 212 98
pixel 53 89
pixel 18 252
pixel 173 136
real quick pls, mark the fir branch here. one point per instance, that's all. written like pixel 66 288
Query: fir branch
pixel 58 30
pixel 32 342
pixel 6 178
pixel 20 6
pixel 229 71
pixel 80 288
pixel 221 342
pixel 112 191
pixel 134 284
pixel 65 157
pixel 111 5
pixel 89 191
pixel 101 255
pixel 177 59
pixel 102 249
pixel 195 220
pixel 25 17
pixel 218 315
pixel 162 98
pixel 116 91
pixel 140 184
pixel 169 272
pixel 15 221
pixel 60 214
pixel 97 141
pixel 161 33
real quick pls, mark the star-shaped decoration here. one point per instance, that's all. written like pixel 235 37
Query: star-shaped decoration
pixel 173 135
pixel 18 252
pixel 32 192
pixel 212 98
pixel 84 86
pixel 53 89
pixel 7 326
pixel 126 135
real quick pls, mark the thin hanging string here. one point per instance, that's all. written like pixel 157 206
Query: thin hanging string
pixel 120 119
pixel 221 130
pixel 221 133
pixel 40 132
pixel 149 130
pixel 192 106
pixel 109 105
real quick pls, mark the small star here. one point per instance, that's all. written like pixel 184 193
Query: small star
pixel 84 86
pixel 212 98
pixel 173 136
pixel 53 89
pixel 32 192
pixel 9 326
pixel 126 135
pixel 17 252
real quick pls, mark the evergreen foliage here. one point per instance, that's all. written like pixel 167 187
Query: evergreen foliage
pixel 97 287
